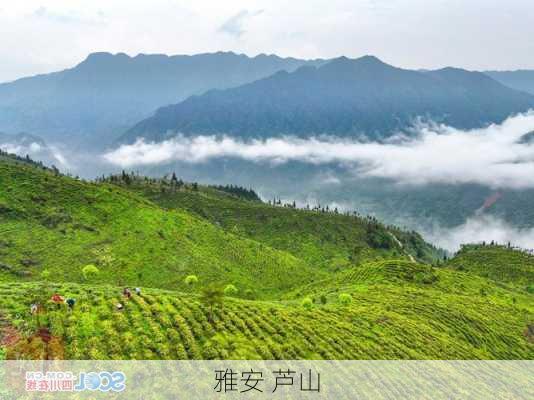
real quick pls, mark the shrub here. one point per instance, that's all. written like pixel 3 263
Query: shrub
pixel 307 303
pixel 191 280
pixel 345 298
pixel 425 278
pixel 230 290
pixel 323 299
pixel 212 296
pixel 90 272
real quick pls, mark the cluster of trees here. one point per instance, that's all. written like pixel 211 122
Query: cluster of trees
pixel 318 208
pixel 494 243
pixel 239 191
pixel 28 160
pixel 166 184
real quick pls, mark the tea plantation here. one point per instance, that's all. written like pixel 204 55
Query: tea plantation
pixel 298 284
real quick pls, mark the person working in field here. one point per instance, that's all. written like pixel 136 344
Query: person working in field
pixel 57 299
pixel 70 303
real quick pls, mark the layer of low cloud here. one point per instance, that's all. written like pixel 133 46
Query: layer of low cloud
pixel 50 155
pixel 493 156
pixel 480 229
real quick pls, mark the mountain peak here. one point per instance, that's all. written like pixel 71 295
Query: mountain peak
pixel 103 57
pixel 369 59
pixel 345 65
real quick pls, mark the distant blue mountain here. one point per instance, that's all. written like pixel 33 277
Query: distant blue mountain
pixel 519 80
pixel 106 94
pixel 344 97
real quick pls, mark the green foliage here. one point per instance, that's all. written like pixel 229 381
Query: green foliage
pixel 345 298
pixel 133 241
pixel 307 303
pixel 388 319
pixel 499 263
pixel 230 290
pixel 400 309
pixel 90 272
pixel 191 280
pixel 45 275
pixel 212 296
pixel 323 239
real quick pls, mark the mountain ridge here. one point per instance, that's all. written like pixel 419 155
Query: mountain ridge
pixel 106 93
pixel 343 97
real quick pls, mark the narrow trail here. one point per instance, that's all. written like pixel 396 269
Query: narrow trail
pixel 412 259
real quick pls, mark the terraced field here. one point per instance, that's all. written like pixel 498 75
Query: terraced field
pixel 329 239
pixel 499 263
pixel 59 224
pixel 302 284
pixel 390 317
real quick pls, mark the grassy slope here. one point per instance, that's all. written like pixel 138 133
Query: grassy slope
pixel 384 321
pixel 498 263
pixel 329 240
pixel 400 309
pixel 60 224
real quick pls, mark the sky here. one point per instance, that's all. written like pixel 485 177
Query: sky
pixel 39 36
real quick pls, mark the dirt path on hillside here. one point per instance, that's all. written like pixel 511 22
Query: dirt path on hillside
pixel 412 259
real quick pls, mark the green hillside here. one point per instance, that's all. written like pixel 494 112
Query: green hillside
pixel 308 284
pixel 499 263
pixel 59 224
pixel 327 239
pixel 386 319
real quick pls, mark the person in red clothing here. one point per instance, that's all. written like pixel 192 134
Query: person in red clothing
pixel 58 299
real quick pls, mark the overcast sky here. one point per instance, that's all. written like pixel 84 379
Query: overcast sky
pixel 38 36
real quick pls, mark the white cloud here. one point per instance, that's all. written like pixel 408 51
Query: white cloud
pixel 69 16
pixel 491 156
pixel 408 33
pixel 47 154
pixel 481 229
pixel 235 25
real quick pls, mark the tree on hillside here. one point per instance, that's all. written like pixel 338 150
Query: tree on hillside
pixel 90 272
pixel 125 177
pixel 307 303
pixel 212 296
pixel 345 298
pixel 174 182
pixel 191 280
pixel 230 290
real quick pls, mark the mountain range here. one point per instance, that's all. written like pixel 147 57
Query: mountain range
pixel 344 97
pixel 106 94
